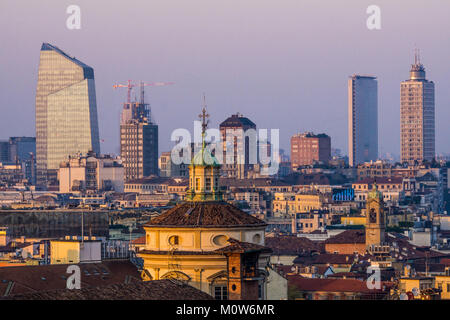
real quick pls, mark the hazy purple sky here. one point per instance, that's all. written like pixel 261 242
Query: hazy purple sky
pixel 284 64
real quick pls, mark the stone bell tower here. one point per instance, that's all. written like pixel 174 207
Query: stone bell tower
pixel 375 218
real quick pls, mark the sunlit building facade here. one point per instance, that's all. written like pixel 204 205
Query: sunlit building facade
pixel 138 141
pixel 66 112
pixel 417 117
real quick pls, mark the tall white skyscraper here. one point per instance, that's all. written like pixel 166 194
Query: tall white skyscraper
pixel 417 116
pixel 362 119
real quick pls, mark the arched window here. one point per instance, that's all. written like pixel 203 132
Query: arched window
pixel 219 285
pixel 178 275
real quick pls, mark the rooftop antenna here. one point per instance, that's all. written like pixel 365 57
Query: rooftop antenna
pixel 416 55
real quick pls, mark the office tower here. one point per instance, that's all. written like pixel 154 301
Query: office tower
pixel 237 163
pixel 417 116
pixel 21 148
pixel 4 151
pixel 66 112
pixel 138 141
pixel 308 148
pixel 362 119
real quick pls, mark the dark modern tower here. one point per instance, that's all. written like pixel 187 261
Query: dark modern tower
pixel 362 119
pixel 66 112
pixel 4 151
pixel 138 140
pixel 22 148
pixel 237 164
pixel 417 116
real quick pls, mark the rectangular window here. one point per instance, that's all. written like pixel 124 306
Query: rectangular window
pixel 197 184
pixel 220 293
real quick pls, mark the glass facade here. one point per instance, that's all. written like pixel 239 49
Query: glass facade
pixel 66 111
pixel 362 119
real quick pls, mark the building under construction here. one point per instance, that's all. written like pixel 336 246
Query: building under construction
pixel 138 139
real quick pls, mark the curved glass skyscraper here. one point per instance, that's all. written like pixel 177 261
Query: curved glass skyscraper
pixel 66 112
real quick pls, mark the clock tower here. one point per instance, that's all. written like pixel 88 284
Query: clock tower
pixel 375 218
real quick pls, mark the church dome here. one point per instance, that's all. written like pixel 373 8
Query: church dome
pixel 209 214
pixel 205 158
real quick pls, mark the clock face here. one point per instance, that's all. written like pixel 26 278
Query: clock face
pixel 372 216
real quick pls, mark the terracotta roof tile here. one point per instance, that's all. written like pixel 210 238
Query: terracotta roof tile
pixel 240 246
pixel 135 290
pixel 52 277
pixel 292 245
pixel 330 285
pixel 205 214
pixel 140 240
pixel 348 236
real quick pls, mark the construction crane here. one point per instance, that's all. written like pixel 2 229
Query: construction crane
pixel 141 84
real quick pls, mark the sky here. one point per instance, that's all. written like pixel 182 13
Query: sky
pixel 283 64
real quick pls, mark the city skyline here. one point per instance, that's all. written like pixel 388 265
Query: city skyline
pixel 294 86
pixel 255 151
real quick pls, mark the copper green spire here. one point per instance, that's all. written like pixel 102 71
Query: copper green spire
pixel 204 170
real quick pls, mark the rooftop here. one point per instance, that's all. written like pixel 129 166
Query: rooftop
pixel 381 180
pixel 89 72
pixel 236 246
pixel 332 285
pixel 32 279
pixel 135 290
pixel 237 120
pixel 348 236
pixel 316 179
pixel 205 214
pixel 328 258
pixel 292 245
